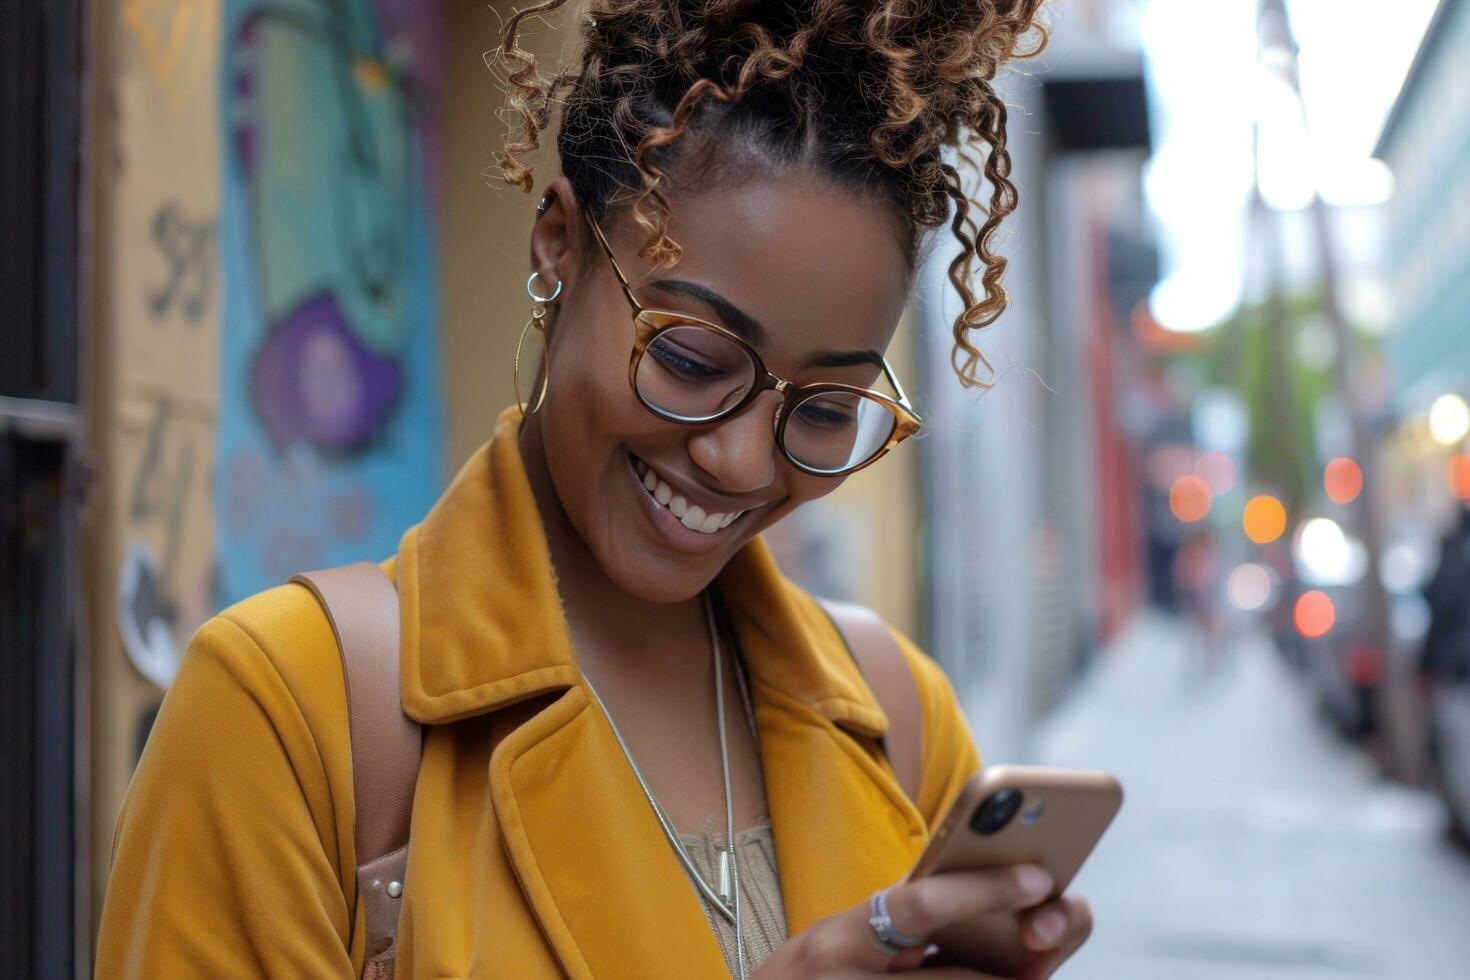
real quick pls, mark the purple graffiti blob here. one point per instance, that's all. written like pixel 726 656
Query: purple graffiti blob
pixel 313 380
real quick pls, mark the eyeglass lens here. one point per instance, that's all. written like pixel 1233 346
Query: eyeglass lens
pixel 693 374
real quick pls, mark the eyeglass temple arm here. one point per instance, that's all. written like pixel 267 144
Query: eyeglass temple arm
pixel 622 279
pixel 903 398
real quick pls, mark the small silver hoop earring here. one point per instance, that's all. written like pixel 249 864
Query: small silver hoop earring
pixel 541 299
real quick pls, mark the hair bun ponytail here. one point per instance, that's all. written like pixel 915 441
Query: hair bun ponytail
pixel 891 100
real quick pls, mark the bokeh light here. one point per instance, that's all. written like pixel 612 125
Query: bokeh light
pixel 1449 420
pixel 1249 587
pixel 1327 556
pixel 1343 480
pixel 1313 614
pixel 1217 470
pixel 1264 519
pixel 1189 498
pixel 1403 568
pixel 1457 474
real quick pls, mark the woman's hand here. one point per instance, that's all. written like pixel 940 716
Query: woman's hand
pixel 843 945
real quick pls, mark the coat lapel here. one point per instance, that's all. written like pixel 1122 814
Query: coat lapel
pixel 840 835
pixel 589 852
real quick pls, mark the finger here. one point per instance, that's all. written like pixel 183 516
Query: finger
pixel 1044 927
pixel 921 907
pixel 1040 966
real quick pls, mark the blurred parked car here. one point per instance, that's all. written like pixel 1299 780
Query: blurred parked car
pixel 1445 667
pixel 1344 667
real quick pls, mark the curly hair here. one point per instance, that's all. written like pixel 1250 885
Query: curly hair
pixel 867 95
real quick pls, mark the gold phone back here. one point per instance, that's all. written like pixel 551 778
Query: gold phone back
pixel 1062 814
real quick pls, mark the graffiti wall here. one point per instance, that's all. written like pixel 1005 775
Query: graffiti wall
pixel 264 366
pixel 329 427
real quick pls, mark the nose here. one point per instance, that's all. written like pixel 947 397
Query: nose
pixel 740 452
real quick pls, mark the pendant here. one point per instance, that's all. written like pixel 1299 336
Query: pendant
pixel 724 876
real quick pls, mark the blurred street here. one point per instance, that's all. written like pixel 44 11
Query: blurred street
pixel 1252 843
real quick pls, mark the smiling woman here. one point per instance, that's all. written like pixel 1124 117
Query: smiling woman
pixel 746 189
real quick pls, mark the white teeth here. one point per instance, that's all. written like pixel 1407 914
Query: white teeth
pixel 692 516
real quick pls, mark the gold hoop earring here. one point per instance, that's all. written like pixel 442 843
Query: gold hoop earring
pixel 538 320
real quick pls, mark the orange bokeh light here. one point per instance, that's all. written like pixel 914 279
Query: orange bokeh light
pixel 1343 480
pixel 1313 614
pixel 1264 519
pixel 1457 474
pixel 1189 498
pixel 1217 470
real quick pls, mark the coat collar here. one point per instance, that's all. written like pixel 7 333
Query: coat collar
pixel 483 626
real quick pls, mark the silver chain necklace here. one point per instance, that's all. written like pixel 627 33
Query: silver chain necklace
pixel 727 900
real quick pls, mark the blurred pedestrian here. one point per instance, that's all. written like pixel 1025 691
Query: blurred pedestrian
pixel 1447 642
pixel 1197 583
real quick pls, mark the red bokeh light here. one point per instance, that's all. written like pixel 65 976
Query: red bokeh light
pixel 1457 474
pixel 1343 480
pixel 1313 614
pixel 1189 498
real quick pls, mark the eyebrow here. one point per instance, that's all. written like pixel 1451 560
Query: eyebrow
pixel 750 328
pixel 735 318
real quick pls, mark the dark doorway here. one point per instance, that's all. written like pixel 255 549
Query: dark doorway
pixel 40 113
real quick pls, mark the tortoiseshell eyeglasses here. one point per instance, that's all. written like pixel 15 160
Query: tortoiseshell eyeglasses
pixel 688 370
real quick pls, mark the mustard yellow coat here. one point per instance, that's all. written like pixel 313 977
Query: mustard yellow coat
pixel 533 852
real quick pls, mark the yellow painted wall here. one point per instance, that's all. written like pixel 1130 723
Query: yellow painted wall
pixel 152 313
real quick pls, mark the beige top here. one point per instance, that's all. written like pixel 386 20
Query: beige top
pixel 762 915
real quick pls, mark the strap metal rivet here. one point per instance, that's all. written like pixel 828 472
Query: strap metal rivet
pixel 395 888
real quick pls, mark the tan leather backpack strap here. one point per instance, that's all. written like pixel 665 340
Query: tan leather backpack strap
pixel 882 664
pixel 361 603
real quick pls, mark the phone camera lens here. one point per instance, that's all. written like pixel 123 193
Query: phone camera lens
pixel 995 811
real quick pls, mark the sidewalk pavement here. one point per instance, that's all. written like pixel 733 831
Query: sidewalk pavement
pixel 1252 843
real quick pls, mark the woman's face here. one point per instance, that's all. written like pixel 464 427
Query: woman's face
pixel 803 271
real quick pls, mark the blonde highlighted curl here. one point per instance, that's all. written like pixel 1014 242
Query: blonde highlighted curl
pixel 865 94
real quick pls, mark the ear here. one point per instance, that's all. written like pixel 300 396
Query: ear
pixel 554 236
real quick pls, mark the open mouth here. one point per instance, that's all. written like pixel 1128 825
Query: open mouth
pixel 692 516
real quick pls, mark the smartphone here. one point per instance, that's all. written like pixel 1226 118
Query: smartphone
pixel 1007 815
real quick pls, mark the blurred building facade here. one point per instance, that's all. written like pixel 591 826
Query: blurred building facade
pixel 1030 513
pixel 1426 143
